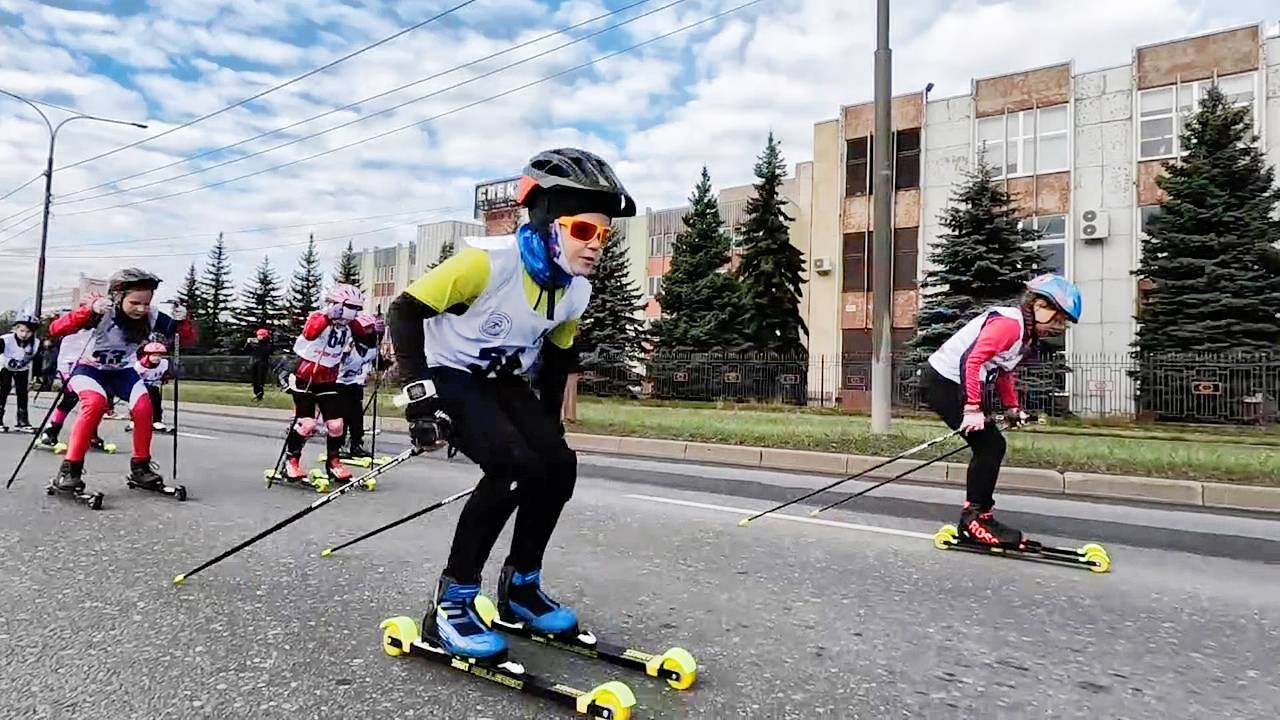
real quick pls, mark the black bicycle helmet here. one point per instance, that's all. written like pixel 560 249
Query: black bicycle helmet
pixel 127 279
pixel 29 320
pixel 569 181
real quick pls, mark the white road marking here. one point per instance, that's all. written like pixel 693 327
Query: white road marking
pixel 196 436
pixel 743 512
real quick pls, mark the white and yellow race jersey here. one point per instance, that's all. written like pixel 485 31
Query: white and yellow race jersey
pixel 492 316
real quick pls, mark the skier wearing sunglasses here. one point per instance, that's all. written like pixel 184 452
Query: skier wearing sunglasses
pixel 469 334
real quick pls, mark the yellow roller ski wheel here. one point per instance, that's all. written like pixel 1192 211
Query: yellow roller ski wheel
pixel 370 485
pixel 945 537
pixel 403 631
pixel 1099 562
pixel 320 483
pixel 486 609
pixel 614 696
pixel 1092 547
pixel 680 661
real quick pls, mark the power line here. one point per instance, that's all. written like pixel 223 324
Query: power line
pixel 458 109
pixel 259 136
pixel 272 246
pixel 21 212
pixel 372 115
pixel 21 232
pixel 259 228
pixel 28 214
pixel 14 191
pixel 270 90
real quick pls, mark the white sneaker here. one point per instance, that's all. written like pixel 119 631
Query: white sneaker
pixel 159 427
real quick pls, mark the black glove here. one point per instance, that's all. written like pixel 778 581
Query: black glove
pixel 429 424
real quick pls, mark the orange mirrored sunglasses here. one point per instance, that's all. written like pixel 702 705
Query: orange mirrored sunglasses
pixel 585 231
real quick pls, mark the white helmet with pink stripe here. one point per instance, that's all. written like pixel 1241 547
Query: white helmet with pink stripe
pixel 344 294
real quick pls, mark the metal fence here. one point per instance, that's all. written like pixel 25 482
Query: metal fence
pixel 1177 388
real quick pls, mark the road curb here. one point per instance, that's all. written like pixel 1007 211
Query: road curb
pixel 1165 491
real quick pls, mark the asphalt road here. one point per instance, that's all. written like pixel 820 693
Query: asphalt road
pixel 858 618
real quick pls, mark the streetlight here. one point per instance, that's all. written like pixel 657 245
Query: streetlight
pixel 48 182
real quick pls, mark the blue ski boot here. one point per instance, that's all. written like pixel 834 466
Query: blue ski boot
pixel 521 601
pixel 453 625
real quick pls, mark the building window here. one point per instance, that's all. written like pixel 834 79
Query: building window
pixel 1052 243
pixel 1014 147
pixel 905 249
pixel 1160 126
pixel 857 166
pixel 655 285
pixel 906 167
pixel 854 270
pixel 1147 214
pixel 661 245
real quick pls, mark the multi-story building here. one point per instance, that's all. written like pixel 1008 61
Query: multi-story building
pixel 652 234
pixel 1079 151
pixel 386 271
pixel 62 297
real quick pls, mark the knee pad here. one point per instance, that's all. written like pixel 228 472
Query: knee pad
pixel 333 427
pixel 306 427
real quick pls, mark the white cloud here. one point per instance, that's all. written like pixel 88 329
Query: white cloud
pixel 708 96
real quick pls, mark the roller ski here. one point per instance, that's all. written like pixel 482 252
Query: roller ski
pixel 20 428
pixel 454 635
pixel 70 484
pixel 143 476
pixel 293 474
pixel 520 597
pixel 97 444
pixel 980 532
pixel 335 472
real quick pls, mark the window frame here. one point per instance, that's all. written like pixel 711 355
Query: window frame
pixel 1026 140
pixel 1180 110
pixel 1036 223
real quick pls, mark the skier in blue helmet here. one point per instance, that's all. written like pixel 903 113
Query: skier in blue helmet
pixel 468 335
pixel 989 348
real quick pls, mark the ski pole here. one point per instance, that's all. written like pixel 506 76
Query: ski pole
pixel 319 503
pixel 882 483
pixel 417 514
pixel 36 435
pixel 922 446
pixel 377 385
pixel 177 357
pixel 62 391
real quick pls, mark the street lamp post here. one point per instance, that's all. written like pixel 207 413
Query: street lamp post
pixel 48 183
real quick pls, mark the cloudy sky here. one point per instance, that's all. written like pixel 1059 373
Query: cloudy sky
pixel 708 94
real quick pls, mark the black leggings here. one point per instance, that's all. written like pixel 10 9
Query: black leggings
pixel 17 381
pixel 325 397
pixel 947 399
pixel 353 412
pixel 157 407
pixel 258 376
pixel 528 469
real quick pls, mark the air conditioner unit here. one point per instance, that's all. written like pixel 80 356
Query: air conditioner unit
pixel 822 265
pixel 1094 225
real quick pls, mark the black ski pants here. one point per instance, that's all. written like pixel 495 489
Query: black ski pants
pixel 528 468
pixel 946 398
pixel 15 380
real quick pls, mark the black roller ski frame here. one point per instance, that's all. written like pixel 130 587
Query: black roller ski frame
pixel 360 462
pixel 278 477
pixel 676 665
pixel 1092 556
pixel 92 499
pixel 177 492
pixel 609 701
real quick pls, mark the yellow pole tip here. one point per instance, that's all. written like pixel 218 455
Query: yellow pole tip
pixel 814 513
pixel 744 522
pixel 179 579
pixel 326 552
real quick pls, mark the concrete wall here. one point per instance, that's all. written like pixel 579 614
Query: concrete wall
pixel 1271 108
pixel 1104 169
pixel 946 155
pixel 800 195
pixel 825 242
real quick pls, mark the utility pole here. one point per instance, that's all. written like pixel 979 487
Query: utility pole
pixel 882 240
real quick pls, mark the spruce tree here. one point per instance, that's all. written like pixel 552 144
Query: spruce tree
pixel 304 287
pixel 701 304
pixel 446 250
pixel 261 303
pixel 772 269
pixel 983 259
pixel 215 296
pixel 611 328
pixel 189 297
pixel 348 270
pixel 1210 254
